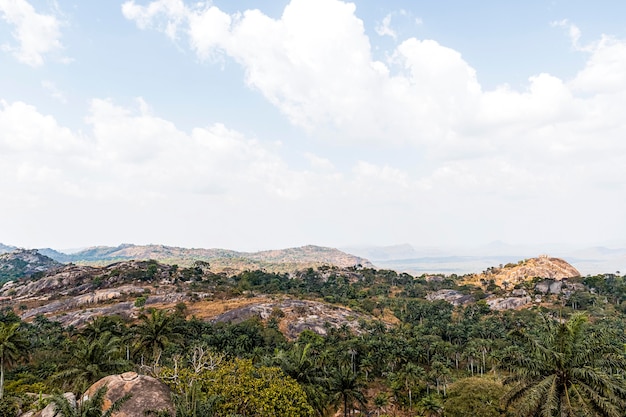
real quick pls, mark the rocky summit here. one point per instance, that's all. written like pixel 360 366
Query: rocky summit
pixel 510 275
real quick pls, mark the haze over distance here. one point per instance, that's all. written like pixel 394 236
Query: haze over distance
pixel 261 125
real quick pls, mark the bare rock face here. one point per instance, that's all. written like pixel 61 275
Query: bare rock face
pixel 540 267
pixel 508 303
pixel 147 394
pixel 451 296
pixel 298 315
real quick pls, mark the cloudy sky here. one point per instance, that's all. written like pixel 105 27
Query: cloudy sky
pixel 257 125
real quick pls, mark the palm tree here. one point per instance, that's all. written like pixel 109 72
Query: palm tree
pixel 12 346
pixel 299 364
pixel 407 379
pixel 566 370
pixel 156 332
pixel 92 360
pixel 430 406
pixel 346 388
pixel 88 407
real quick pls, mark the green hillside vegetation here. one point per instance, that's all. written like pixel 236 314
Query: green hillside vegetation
pixel 562 356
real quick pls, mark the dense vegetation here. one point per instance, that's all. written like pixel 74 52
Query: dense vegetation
pixel 563 357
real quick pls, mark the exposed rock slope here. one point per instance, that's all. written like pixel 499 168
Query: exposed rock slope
pixel 540 267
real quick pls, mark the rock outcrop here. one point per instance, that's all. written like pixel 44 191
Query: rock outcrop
pixel 540 267
pixel 451 296
pixel 297 316
pixel 147 394
pixel 508 303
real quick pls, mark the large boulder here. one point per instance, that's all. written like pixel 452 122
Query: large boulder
pixel 147 394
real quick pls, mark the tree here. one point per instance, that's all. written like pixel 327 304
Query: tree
pixel 298 363
pixel 409 378
pixel 430 406
pixel 88 407
pixel 477 397
pixel 346 388
pixel 566 369
pixel 239 388
pixel 12 345
pixel 92 360
pixel 155 332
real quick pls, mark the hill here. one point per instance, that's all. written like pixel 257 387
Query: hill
pixel 511 274
pixel 221 259
pixel 24 263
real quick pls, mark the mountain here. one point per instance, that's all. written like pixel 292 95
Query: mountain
pixel 6 248
pixel 24 263
pixel 220 259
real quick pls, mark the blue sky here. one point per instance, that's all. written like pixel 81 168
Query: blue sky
pixel 258 125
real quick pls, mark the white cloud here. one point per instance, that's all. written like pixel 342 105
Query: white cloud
pixel 426 96
pixel 36 34
pixel 384 28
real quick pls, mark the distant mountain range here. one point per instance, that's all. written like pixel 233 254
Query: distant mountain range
pixel 220 259
pixel 419 260
pixel 403 257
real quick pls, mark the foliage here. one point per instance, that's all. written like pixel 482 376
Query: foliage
pixel 478 397
pixel 87 407
pixel 566 369
pixel 239 388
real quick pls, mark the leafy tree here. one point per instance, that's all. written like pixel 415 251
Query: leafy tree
pixel 477 397
pixel 566 369
pixel 12 346
pixel 239 388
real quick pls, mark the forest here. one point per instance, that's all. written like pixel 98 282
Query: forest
pixel 562 357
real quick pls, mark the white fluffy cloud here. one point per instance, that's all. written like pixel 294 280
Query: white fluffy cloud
pixel 36 34
pixel 551 144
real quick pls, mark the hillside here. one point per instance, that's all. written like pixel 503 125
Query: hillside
pixel 221 259
pixel 24 263
pixel 369 321
pixel 512 274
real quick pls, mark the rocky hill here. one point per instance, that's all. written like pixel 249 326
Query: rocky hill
pixel 221 259
pixel 24 263
pixel 75 294
pixel 511 274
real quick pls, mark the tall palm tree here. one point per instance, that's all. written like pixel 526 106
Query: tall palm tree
pixel 155 332
pixel 12 345
pixel 88 407
pixel 346 388
pixel 566 370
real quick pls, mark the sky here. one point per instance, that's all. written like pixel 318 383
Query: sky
pixel 260 125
